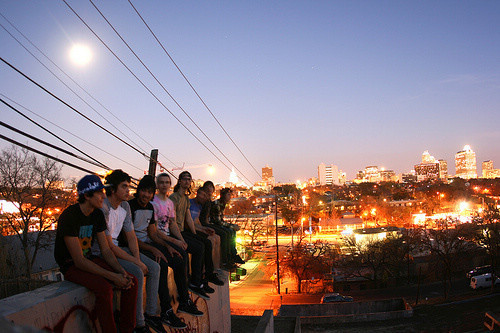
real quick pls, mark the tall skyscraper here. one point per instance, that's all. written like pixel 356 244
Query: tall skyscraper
pixel 465 163
pixel 328 174
pixel 267 176
pixel 267 173
pixel 443 170
pixel 431 168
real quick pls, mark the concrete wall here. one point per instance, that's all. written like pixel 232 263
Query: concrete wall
pixel 45 307
pixel 349 311
pixel 266 323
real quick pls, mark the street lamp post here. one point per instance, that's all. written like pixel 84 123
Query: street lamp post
pixel 277 245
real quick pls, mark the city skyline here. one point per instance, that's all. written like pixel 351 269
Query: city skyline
pixel 295 85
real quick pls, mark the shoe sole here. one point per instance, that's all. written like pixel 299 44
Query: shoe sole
pixel 191 314
pixel 199 295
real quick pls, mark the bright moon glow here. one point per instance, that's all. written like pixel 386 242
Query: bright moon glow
pixel 80 54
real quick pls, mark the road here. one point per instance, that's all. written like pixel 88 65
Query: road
pixel 255 293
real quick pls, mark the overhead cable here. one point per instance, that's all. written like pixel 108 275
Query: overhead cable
pixel 92 161
pixel 149 90
pixel 65 130
pixel 165 90
pixel 83 100
pixel 46 155
pixel 72 108
pixel 190 85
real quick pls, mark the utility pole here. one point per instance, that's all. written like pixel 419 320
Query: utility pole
pixel 277 245
pixel 153 160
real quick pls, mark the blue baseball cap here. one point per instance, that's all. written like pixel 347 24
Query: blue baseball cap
pixel 89 183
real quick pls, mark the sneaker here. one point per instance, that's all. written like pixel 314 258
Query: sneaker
pixel 215 280
pixel 208 289
pixel 142 329
pixel 198 290
pixel 170 319
pixel 190 308
pixel 237 260
pixel 155 323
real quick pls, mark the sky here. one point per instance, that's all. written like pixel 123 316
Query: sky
pixel 293 83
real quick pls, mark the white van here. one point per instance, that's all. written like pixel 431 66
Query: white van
pixel 482 281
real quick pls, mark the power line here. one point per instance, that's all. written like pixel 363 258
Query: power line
pixel 72 108
pixel 46 155
pixel 194 90
pixel 99 164
pixel 165 90
pixel 53 157
pixel 60 69
pixel 78 112
pixel 49 144
pixel 65 130
pixel 142 83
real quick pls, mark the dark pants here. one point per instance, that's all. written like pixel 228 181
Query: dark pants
pixel 197 251
pixel 225 242
pixel 179 266
pixel 103 291
pixel 207 253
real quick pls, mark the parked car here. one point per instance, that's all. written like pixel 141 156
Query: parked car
pixel 480 270
pixel 335 297
pixel 483 281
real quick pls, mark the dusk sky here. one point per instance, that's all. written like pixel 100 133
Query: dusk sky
pixel 295 83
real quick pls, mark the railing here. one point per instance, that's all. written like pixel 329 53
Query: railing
pixel 491 321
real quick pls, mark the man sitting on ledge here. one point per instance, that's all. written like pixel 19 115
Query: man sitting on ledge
pixel 78 226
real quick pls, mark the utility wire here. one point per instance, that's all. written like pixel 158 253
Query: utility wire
pixel 65 130
pixel 142 83
pixel 50 145
pixel 53 157
pixel 165 90
pixel 88 94
pixel 46 155
pixel 72 108
pixel 95 162
pixel 194 90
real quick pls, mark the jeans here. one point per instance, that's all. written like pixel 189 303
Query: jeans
pixel 151 285
pixel 103 291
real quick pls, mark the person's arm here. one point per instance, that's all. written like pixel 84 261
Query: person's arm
pixel 155 237
pixel 119 278
pixel 147 247
pixel 188 220
pixel 122 254
pixel 174 230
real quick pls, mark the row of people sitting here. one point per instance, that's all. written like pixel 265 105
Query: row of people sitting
pixel 107 241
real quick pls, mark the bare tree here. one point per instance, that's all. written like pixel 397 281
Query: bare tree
pixel 449 247
pixel 30 184
pixel 304 262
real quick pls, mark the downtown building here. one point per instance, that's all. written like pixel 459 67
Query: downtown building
pixel 489 171
pixel 465 163
pixel 267 175
pixel 329 174
pixel 431 169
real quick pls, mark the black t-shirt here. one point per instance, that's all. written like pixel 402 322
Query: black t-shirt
pixel 74 223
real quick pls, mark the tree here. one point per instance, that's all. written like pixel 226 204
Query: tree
pixel 449 247
pixel 30 184
pixel 305 262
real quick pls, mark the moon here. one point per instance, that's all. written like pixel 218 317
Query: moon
pixel 80 54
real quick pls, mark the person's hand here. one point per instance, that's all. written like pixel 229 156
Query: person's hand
pixel 123 281
pixel 158 255
pixel 209 231
pixel 143 267
pixel 173 252
pixel 182 244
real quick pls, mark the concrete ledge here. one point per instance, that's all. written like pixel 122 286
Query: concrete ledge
pixel 348 312
pixel 46 306
pixel 266 323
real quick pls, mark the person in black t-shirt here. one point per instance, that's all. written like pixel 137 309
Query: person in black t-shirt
pixel 78 227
